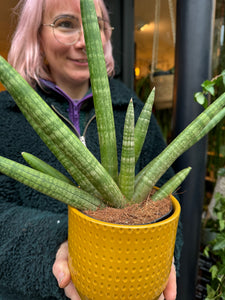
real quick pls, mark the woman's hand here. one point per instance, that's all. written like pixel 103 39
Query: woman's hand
pixel 170 291
pixel 61 271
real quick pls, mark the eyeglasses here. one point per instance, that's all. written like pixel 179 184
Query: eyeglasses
pixel 67 29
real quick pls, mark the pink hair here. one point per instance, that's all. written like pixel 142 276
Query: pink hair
pixel 25 54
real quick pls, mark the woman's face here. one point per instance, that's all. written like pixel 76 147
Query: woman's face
pixel 67 63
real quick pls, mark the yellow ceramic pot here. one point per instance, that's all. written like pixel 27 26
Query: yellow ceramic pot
pixel 111 261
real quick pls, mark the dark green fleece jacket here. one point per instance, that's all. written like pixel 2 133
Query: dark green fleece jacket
pixel 32 225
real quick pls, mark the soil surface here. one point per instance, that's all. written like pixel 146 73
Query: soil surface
pixel 146 212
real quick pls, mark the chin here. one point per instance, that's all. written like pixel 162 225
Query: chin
pixel 81 78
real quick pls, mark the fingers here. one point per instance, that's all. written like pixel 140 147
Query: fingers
pixel 61 271
pixel 71 292
pixel 60 268
pixel 170 292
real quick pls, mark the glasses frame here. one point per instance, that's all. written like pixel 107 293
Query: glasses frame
pixel 52 25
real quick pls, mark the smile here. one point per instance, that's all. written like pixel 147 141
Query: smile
pixel 82 60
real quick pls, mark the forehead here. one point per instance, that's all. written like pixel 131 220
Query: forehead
pixel 54 8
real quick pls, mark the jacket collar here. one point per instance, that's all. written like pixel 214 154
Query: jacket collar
pixel 53 87
pixel 121 95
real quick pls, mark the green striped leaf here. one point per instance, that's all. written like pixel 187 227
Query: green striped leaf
pixel 100 88
pixel 68 163
pixel 171 185
pixel 127 167
pixel 38 164
pixel 142 124
pixel 212 123
pixel 187 138
pixel 49 185
pixel 58 137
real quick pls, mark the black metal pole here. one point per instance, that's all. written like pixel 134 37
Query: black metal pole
pixel 128 43
pixel 192 67
pixel 122 18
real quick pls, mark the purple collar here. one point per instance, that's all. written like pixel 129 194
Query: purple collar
pixel 74 105
pixel 51 85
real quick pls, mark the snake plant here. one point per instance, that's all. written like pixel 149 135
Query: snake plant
pixel 98 184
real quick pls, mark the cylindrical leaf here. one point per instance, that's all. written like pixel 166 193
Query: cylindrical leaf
pixel 49 185
pixel 170 186
pixel 69 149
pixel 187 138
pixel 100 88
pixel 142 124
pixel 127 167
pixel 38 164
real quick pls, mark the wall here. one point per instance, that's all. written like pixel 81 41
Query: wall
pixel 7 25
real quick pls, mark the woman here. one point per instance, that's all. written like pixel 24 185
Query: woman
pixel 33 227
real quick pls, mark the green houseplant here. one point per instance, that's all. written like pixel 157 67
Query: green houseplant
pixel 216 250
pixel 211 89
pixel 99 184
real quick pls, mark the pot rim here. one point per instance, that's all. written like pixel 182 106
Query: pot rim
pixel 175 214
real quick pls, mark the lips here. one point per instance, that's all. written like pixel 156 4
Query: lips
pixel 80 60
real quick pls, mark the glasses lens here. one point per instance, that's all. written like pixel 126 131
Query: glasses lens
pixel 67 30
pixel 104 26
pixel 101 24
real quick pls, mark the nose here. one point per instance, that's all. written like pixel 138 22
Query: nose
pixel 81 41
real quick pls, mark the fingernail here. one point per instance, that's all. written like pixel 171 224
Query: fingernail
pixel 60 278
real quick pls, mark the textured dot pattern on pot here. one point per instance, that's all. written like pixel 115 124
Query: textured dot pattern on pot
pixel 111 261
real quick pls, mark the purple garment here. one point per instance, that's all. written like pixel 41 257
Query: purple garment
pixel 74 105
